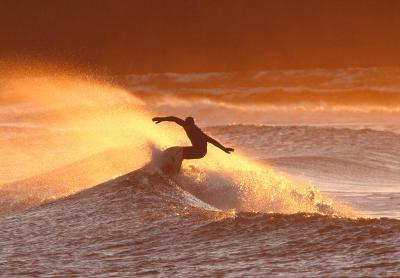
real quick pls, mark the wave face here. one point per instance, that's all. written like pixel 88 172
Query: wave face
pixel 144 224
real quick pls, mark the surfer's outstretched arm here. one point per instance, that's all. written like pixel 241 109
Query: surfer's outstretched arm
pixel 219 145
pixel 158 120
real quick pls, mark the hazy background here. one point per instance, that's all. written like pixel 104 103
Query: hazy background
pixel 190 36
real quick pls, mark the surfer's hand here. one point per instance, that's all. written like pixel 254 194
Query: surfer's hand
pixel 157 120
pixel 228 150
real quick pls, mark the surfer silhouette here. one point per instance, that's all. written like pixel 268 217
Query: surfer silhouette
pixel 173 157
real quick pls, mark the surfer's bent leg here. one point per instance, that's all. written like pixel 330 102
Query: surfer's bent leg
pixel 193 153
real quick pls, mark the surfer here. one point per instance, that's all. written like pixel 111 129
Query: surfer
pixel 196 136
pixel 171 159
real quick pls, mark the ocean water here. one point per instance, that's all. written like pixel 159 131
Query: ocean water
pixel 312 189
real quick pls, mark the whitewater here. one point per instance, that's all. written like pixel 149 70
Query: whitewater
pixel 81 194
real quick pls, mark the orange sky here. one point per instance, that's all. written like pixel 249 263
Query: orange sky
pixel 204 35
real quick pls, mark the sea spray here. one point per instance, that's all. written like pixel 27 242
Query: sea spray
pixel 96 132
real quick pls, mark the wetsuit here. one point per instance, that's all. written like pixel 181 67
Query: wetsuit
pixel 198 138
pixel 199 142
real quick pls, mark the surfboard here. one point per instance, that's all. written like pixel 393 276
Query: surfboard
pixel 171 161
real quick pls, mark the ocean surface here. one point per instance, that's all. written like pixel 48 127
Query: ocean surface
pixel 312 189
